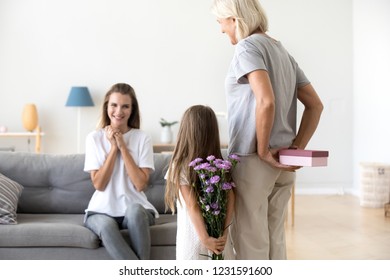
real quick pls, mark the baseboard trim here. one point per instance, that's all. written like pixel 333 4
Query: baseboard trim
pixel 324 189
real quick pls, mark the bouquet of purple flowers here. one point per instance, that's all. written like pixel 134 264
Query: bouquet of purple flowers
pixel 215 181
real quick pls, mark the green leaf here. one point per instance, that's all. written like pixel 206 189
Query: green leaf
pixel 164 122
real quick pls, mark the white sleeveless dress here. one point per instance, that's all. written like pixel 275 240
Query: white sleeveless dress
pixel 188 245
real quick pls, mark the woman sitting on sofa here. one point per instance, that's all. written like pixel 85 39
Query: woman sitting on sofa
pixel 119 157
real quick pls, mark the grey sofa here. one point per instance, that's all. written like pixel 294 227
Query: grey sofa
pixel 51 208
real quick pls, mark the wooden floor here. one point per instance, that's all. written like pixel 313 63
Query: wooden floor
pixel 337 228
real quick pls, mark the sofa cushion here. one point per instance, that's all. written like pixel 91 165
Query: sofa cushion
pixel 163 233
pixel 53 184
pixel 156 189
pixel 9 195
pixel 68 230
pixel 48 230
pixel 57 184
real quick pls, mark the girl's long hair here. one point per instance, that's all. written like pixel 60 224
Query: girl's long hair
pixel 198 137
pixel 135 119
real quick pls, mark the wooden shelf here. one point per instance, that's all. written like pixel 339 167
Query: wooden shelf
pixel 20 134
pixel 163 148
pixel 36 134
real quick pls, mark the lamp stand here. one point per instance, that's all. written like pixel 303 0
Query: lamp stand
pixel 79 97
pixel 78 128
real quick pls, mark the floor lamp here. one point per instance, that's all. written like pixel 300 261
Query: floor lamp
pixel 79 97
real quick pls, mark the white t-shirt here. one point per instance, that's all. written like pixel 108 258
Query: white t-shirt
pixel 120 191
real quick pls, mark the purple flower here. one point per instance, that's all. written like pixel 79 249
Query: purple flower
pixel 228 162
pixel 204 165
pixel 226 165
pixel 213 174
pixel 227 186
pixel 195 162
pixel 234 157
pixel 214 205
pixel 210 158
pixel 215 179
pixel 211 169
pixel 198 167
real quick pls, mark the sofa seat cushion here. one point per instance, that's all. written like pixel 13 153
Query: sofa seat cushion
pixel 68 230
pixel 163 233
pixel 48 230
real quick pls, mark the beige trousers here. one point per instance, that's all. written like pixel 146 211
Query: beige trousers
pixel 262 195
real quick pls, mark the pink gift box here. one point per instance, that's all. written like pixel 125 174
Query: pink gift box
pixel 297 157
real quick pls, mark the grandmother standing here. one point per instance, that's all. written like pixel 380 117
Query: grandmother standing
pixel 263 85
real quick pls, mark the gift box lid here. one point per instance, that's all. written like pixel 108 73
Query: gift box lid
pixel 303 153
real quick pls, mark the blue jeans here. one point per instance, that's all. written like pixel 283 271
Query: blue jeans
pixel 137 220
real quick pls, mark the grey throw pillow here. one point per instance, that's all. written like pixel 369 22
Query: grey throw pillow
pixel 10 192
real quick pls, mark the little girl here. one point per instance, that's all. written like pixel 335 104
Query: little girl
pixel 198 137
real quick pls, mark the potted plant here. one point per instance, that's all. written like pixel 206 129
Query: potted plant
pixel 166 133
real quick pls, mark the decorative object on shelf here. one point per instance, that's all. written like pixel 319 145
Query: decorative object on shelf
pixel 166 133
pixel 79 97
pixel 30 117
pixel 3 129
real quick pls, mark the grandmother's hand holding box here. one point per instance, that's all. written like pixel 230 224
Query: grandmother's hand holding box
pixel 299 157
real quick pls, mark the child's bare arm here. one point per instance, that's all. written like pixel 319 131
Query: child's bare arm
pixel 211 243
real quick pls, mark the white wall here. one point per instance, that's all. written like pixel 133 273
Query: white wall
pixel 371 83
pixel 319 35
pixel 162 48
pixel 174 55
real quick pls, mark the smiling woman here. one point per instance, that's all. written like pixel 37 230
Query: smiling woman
pixel 119 157
pixel 119 111
pixel 127 115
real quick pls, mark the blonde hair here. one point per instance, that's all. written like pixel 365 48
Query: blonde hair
pixel 249 15
pixel 198 137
